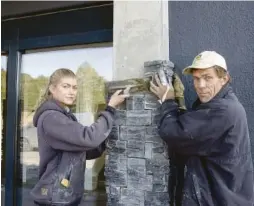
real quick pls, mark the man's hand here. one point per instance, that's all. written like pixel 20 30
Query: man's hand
pixel 163 92
pixel 117 99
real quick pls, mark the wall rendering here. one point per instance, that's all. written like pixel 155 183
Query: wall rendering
pixel 228 28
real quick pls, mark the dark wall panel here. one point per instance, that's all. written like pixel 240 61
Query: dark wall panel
pixel 228 28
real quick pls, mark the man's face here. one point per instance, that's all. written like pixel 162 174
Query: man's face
pixel 207 83
pixel 65 91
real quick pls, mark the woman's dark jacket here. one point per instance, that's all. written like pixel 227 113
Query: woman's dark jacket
pixel 64 146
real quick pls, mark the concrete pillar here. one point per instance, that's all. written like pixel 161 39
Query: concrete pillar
pixel 140 34
pixel 137 164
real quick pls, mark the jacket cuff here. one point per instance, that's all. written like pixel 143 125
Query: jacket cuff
pixel 111 110
pixel 169 104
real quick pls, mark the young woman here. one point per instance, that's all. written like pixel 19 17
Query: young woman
pixel 65 144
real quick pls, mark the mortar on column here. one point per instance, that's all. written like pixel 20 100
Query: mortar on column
pixel 137 164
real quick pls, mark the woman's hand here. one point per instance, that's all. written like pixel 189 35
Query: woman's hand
pixel 117 99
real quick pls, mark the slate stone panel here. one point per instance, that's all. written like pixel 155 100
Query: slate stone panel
pixel 137 164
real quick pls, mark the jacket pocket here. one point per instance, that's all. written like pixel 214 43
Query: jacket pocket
pixel 197 189
pixel 42 192
pixel 62 195
pixel 77 175
pixel 69 185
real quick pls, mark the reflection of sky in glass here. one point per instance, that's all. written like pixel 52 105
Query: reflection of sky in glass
pixel 45 63
pixel 4 62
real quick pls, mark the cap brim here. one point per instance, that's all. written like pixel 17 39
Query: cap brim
pixel 188 69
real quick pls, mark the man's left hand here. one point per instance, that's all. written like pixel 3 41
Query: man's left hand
pixel 163 92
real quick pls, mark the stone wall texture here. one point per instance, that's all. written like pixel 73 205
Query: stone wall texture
pixel 137 164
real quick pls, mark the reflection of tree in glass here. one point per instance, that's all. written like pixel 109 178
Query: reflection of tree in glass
pixel 3 84
pixel 3 97
pixel 91 90
pixel 32 89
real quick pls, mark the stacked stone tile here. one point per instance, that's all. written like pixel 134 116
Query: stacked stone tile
pixel 137 164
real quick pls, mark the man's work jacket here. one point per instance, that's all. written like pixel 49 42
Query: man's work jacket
pixel 210 152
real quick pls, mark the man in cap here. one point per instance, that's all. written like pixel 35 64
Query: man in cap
pixel 210 143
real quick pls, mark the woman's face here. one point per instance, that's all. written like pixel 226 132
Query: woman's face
pixel 65 91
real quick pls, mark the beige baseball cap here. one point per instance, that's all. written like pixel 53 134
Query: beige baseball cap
pixel 206 59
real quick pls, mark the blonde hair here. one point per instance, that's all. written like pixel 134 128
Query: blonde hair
pixel 54 79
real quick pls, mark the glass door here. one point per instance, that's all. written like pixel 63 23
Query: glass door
pixel 93 66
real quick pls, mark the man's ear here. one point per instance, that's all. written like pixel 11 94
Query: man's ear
pixel 225 79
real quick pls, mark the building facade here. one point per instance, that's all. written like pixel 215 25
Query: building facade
pixel 103 42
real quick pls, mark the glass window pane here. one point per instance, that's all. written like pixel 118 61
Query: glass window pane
pixel 3 122
pixel 93 66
